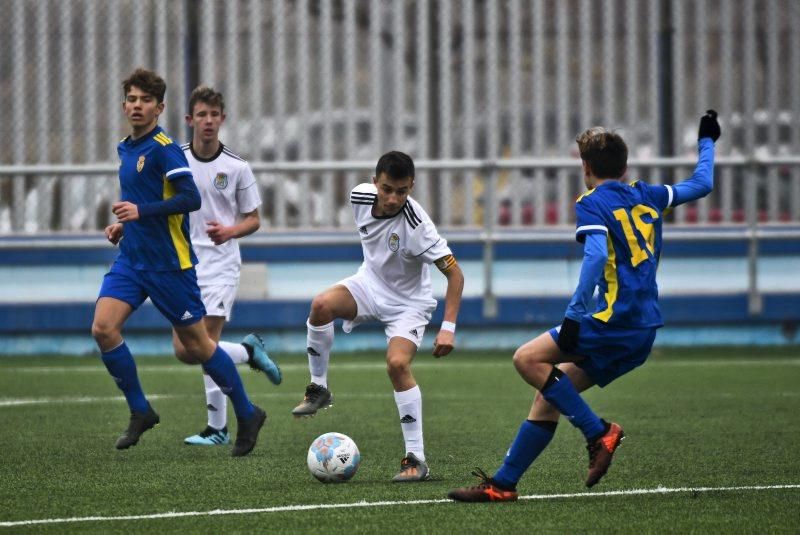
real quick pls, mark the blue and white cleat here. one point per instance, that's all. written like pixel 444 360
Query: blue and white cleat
pixel 209 437
pixel 259 359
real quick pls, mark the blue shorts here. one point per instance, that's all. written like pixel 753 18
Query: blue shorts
pixel 610 351
pixel 174 293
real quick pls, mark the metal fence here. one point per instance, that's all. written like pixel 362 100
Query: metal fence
pixel 444 80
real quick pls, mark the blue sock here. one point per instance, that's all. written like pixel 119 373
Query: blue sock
pixel 221 369
pixel 119 363
pixel 563 396
pixel 530 441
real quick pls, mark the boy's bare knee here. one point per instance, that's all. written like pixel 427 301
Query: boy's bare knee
pixel 522 358
pixel 183 355
pixel 397 366
pixel 104 333
pixel 320 310
pixel 190 352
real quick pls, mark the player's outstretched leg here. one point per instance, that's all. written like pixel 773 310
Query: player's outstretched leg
pixel 121 366
pixel 216 431
pixel 602 438
pixel 601 450
pixel 260 360
pixel 139 423
pixel 319 340
pixel 221 369
pixel 317 397
pixel 486 491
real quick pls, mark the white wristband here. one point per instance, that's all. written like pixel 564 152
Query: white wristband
pixel 448 326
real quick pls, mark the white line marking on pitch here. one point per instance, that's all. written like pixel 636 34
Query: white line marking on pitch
pixel 353 505
pixel 379 364
pixel 16 402
pixel 24 402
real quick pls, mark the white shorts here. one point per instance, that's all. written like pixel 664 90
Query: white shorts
pixel 218 299
pixel 398 320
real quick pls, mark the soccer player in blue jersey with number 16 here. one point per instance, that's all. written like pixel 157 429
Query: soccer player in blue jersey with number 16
pixel 620 227
pixel 156 260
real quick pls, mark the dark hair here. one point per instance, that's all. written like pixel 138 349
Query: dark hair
pixel 396 165
pixel 208 96
pixel 147 81
pixel 604 151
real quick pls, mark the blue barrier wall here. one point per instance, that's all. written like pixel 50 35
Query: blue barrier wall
pixel 50 293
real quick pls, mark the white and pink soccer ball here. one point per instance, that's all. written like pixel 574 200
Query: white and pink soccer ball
pixel 333 458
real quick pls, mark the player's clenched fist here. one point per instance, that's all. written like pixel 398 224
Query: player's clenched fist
pixel 114 233
pixel 443 344
pixel 709 127
pixel 125 211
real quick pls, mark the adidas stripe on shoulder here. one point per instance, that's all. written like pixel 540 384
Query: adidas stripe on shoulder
pixel 232 154
pixel 363 198
pixel 410 215
pixel 363 194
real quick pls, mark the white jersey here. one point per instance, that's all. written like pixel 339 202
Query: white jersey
pixel 227 188
pixel 398 250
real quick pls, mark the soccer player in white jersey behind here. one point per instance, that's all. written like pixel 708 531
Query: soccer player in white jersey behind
pixel 392 286
pixel 229 211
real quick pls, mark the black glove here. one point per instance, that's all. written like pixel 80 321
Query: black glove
pixel 709 127
pixel 568 335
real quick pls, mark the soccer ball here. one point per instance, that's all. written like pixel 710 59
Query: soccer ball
pixel 333 458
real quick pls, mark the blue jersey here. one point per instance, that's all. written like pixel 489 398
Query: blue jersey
pixel 631 216
pixel 147 165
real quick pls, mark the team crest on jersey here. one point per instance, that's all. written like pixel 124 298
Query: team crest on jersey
pixel 394 242
pixel 140 164
pixel 221 181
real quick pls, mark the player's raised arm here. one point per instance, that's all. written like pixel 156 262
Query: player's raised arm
pixel 701 182
pixel 445 339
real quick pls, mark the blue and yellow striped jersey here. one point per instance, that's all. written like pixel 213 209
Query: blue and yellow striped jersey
pixel 631 216
pixel 147 165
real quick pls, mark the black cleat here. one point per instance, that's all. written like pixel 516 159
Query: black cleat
pixel 317 397
pixel 140 422
pixel 247 433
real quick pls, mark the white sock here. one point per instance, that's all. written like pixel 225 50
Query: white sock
pixel 409 406
pixel 319 341
pixel 217 404
pixel 237 352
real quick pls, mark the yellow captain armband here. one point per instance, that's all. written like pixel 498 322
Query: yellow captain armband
pixel 446 263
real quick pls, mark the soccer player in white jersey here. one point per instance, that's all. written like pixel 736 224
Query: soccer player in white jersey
pixel 392 286
pixel 229 211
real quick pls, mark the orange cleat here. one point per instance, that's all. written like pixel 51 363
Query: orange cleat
pixel 601 451
pixel 486 491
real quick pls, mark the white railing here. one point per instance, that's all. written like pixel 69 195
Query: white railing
pixel 488 230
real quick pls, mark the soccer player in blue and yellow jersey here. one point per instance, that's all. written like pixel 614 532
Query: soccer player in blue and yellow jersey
pixel 156 261
pixel 620 226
